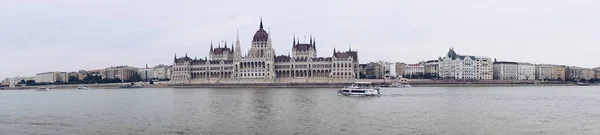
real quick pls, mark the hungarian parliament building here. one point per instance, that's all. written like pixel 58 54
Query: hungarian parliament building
pixel 262 63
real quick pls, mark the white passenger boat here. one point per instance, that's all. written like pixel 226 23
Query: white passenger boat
pixel 360 89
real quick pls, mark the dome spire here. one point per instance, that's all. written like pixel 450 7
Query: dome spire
pixel 261 25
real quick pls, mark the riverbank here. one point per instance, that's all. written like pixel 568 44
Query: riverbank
pixel 433 83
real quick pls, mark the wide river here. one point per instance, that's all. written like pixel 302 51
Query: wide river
pixel 470 110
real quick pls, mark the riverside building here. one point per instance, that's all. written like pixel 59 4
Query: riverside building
pixel 504 70
pixel 543 72
pixel 51 77
pixel 455 66
pixel 262 63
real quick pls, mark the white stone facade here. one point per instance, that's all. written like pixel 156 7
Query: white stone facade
pixel 146 73
pixel 261 63
pixel 526 71
pixel 162 72
pixel 506 70
pixel 543 71
pixel 411 69
pixel 485 70
pixel 51 77
pixel 454 66
pixel 514 71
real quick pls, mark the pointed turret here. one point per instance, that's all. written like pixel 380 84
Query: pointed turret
pixel 238 52
pixel 186 54
pixel 175 56
pixel 232 46
pixel 294 43
pixel 211 46
pixel 315 44
pixel 333 50
pixel 225 43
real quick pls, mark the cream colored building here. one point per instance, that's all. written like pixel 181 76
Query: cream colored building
pixel 485 68
pixel 558 72
pixel 51 77
pixel 577 73
pixel 432 67
pixel 124 73
pixel 399 67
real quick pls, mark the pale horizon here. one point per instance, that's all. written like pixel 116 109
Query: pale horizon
pixel 65 35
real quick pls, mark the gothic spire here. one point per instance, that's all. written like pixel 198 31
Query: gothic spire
pixel 211 46
pixel 334 50
pixel 175 56
pixel 311 40
pixel 186 54
pixel 225 43
pixel 294 44
pixel 315 44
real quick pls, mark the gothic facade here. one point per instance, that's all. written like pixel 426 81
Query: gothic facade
pixel 261 62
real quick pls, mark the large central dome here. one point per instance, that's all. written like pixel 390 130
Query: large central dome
pixel 261 34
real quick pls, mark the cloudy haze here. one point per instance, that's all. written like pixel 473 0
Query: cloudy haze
pixel 68 35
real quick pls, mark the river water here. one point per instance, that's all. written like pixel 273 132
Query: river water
pixel 470 110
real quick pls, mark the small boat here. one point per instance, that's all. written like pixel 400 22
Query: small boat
pixel 43 89
pixel 400 85
pixel 132 85
pixel 360 89
pixel 82 88
pixel 583 84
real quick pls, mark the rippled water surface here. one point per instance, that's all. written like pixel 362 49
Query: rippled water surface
pixel 472 110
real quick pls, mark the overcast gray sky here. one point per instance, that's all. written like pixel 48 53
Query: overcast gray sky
pixel 68 35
